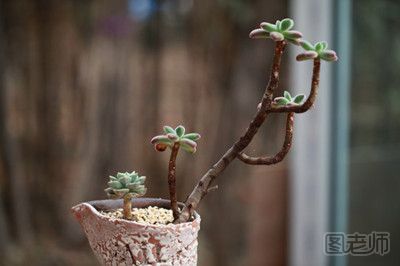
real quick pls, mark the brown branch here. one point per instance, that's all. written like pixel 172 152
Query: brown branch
pixel 311 98
pixel 202 187
pixel 172 180
pixel 268 160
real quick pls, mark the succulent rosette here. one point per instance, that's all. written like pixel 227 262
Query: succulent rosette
pixel 318 50
pixel 126 183
pixel 173 136
pixel 288 100
pixel 281 30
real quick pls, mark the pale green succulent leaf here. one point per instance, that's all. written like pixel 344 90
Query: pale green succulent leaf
pixel 168 129
pixel 125 183
pixel 306 45
pixel 172 137
pixel 299 98
pixel 180 130
pixel 259 34
pixel 307 55
pixel 277 36
pixel 133 187
pixel 192 136
pixel 189 142
pixel 188 145
pixel 324 45
pixel 125 180
pixel 269 27
pixel 161 139
pixel 292 34
pixel 286 24
pixel 294 41
pixel 139 193
pixel 319 46
pixel 328 55
pixel 188 148
pixel 140 180
pixel 278 25
pixel 287 95
pixel 281 101
pixel 119 175
pixel 115 184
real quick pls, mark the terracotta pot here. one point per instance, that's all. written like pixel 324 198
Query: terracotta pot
pixel 122 242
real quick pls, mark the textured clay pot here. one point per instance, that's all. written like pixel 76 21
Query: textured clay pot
pixel 122 242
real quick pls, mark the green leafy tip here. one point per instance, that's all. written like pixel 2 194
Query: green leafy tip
pixel 177 135
pixel 281 30
pixel 288 100
pixel 126 184
pixel 319 50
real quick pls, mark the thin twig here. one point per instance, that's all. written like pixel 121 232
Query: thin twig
pixel 268 160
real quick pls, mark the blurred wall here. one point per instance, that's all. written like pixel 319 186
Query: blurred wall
pixel 84 85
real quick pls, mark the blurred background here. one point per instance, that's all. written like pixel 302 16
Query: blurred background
pixel 84 85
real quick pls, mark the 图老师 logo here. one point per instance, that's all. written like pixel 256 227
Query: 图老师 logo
pixel 356 244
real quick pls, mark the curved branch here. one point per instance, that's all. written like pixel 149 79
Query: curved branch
pixel 268 160
pixel 311 98
pixel 202 187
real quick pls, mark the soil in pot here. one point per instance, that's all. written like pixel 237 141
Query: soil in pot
pixel 148 215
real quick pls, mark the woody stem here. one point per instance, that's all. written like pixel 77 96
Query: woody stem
pixel 127 209
pixel 202 187
pixel 172 180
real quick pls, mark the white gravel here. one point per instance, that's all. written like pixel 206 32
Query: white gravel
pixel 148 215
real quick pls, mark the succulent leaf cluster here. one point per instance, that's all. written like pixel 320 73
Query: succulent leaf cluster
pixel 319 50
pixel 172 136
pixel 126 183
pixel 289 100
pixel 281 30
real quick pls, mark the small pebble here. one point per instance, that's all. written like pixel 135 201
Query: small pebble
pixel 148 215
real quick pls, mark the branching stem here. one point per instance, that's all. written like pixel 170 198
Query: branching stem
pixel 202 187
pixel 311 98
pixel 268 160
pixel 266 107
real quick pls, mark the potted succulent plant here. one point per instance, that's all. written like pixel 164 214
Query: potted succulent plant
pixel 126 230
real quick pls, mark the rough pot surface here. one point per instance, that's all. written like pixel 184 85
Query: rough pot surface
pixel 122 242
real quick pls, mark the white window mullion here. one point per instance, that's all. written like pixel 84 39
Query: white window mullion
pixel 310 161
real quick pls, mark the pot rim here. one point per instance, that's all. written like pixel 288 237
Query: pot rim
pixel 112 204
